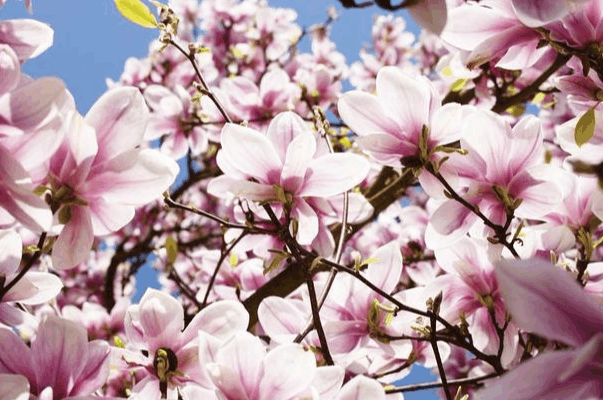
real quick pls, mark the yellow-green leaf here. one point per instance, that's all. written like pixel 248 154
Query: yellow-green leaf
pixel 137 12
pixel 458 85
pixel 585 128
pixel 171 248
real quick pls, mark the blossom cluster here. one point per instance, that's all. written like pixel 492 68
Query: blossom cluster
pixel 310 243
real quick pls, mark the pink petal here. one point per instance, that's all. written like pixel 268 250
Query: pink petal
pixel 430 14
pixel 286 371
pixel 236 372
pixel 109 217
pixel 119 117
pixel 75 240
pixel 298 156
pixel 251 152
pixel 534 287
pixel 333 174
pixel 535 13
pixel 307 221
pixel 59 351
pixel 15 387
pixel 15 356
pixel 448 224
pixel 96 371
pixel 162 319
pixel 364 114
pixel 221 319
pixel 386 149
pixel 27 37
pixel 409 98
pixel 283 129
pixel 386 271
pixel 135 177
pixel 10 69
pixel 531 380
pixel 35 288
pixel 280 318
pixel 10 252
pixel 252 191
pixel 361 388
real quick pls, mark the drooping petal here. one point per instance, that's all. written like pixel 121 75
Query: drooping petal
pixel 564 311
pixel 74 241
pixel 333 174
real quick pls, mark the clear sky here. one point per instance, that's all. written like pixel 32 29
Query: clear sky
pixel 92 42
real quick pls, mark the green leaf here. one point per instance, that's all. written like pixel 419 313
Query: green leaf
pixel 458 85
pixel 585 128
pixel 171 248
pixel 137 12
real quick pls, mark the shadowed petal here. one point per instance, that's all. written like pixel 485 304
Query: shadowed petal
pixel 536 288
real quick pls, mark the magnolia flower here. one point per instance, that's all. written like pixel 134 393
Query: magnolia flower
pixel 60 364
pixel 173 360
pixel 244 370
pixel 99 174
pixel 284 166
pixel 503 173
pixel 33 288
pixel 404 123
pixel 545 300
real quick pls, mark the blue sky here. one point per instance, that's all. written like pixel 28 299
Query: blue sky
pixel 92 42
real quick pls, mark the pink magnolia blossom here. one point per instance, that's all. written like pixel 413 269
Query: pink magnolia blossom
pixel 156 325
pixel 545 300
pixel 99 175
pixel 33 288
pixel 283 166
pixel 243 370
pixel 391 124
pixel 502 170
pixel 174 116
pixel 470 291
pixel 60 364
pixel 495 32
